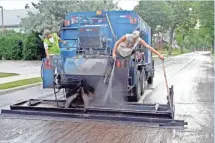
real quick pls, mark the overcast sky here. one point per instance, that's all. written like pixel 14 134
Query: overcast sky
pixel 20 4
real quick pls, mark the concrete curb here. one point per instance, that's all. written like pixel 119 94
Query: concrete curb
pixel 19 88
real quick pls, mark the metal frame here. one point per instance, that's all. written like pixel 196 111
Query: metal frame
pixel 135 113
pixel 97 116
pixel 140 114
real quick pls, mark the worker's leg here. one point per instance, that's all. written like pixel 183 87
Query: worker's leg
pixel 56 66
pixel 118 56
pixel 53 62
pixel 51 58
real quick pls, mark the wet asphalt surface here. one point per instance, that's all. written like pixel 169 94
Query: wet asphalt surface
pixel 192 76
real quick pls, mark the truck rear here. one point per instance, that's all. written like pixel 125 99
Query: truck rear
pixel 88 71
pixel 107 26
pixel 97 32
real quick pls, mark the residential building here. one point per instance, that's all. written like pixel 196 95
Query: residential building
pixel 12 18
pixel 165 39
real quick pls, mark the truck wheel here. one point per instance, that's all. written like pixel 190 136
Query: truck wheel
pixel 138 87
pixel 143 82
pixel 150 80
pixel 67 93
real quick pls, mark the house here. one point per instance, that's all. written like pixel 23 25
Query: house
pixel 12 18
pixel 165 39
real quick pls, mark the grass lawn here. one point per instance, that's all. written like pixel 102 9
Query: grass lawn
pixel 20 83
pixel 2 74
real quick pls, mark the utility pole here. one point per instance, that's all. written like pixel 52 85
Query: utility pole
pixel 2 17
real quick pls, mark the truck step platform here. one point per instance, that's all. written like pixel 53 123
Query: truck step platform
pixel 135 113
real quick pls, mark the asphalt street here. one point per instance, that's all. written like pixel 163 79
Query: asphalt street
pixel 192 76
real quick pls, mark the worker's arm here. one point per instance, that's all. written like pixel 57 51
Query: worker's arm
pixel 64 42
pixel 142 42
pixel 46 50
pixel 47 53
pixel 117 44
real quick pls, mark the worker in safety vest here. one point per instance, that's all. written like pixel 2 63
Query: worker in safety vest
pixel 51 43
pixel 125 46
pixel 52 50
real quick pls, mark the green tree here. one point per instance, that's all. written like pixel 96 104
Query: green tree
pixel 205 14
pixel 188 34
pixel 188 25
pixel 195 41
pixel 181 17
pixel 155 13
pixel 172 16
pixel 10 45
pixel 31 50
pixel 51 13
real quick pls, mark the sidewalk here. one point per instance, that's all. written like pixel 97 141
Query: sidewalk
pixel 26 69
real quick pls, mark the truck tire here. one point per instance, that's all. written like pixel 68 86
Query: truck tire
pixel 138 89
pixel 143 81
pixel 150 80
